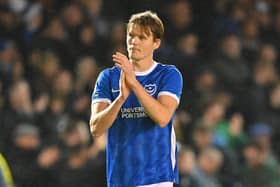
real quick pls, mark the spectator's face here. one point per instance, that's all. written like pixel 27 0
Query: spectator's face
pixel 27 142
pixel 7 55
pixel 206 81
pixel 51 66
pixel 203 138
pixel 231 46
pixel 238 13
pixel 86 69
pixel 265 74
pixel 140 44
pixel 73 138
pixel 209 164
pixel 216 111
pixel 265 19
pixel 87 35
pixel 250 30
pixel 94 7
pixel 118 33
pixel 253 156
pixel 264 140
pixel 181 14
pixel 20 95
pixel 77 136
pixel 268 54
pixel 73 15
pixel 57 105
pixel 56 30
pixel 63 83
pixel 188 44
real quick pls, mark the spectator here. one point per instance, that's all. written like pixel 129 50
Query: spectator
pixel 86 74
pixel 78 169
pixel 230 63
pixel 270 115
pixel 262 133
pixel 23 153
pixel 229 134
pixel 264 77
pixel 256 173
pixel 19 109
pixel 180 21
pixel 209 163
pixel 186 163
pixel 6 178
pixel 9 63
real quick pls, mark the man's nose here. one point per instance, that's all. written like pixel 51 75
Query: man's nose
pixel 134 40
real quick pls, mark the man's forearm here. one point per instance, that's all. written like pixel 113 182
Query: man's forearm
pixel 101 121
pixel 154 109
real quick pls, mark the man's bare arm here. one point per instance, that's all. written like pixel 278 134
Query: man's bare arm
pixel 104 114
pixel 159 110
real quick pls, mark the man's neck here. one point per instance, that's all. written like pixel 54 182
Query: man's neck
pixel 143 65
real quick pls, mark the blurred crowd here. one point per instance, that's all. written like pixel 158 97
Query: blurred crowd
pixel 228 121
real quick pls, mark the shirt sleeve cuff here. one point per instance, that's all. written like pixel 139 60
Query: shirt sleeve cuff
pixel 101 100
pixel 169 94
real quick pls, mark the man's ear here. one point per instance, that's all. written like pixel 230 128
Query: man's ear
pixel 157 43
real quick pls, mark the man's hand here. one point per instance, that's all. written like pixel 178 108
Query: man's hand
pixel 127 67
pixel 124 90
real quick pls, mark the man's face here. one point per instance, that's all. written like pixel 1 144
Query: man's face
pixel 253 156
pixel 140 44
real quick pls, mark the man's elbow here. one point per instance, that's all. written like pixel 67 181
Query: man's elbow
pixel 94 131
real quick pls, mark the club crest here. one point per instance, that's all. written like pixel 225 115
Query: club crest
pixel 151 88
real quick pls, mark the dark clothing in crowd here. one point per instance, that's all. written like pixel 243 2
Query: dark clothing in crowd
pixel 52 51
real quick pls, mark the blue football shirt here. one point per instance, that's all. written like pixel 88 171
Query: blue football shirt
pixel 139 152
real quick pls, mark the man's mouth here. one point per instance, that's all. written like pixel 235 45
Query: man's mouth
pixel 134 49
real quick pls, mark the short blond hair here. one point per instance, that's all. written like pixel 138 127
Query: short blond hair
pixel 149 21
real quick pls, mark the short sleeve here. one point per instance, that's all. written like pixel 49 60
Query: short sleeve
pixel 172 84
pixel 102 92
